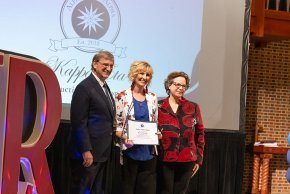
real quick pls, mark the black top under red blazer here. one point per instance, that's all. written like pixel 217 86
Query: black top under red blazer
pixel 92 120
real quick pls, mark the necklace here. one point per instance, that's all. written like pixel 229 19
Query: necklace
pixel 140 103
pixel 137 98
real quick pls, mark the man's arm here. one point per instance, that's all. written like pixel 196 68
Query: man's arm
pixel 79 118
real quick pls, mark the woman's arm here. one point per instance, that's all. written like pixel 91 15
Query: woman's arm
pixel 199 136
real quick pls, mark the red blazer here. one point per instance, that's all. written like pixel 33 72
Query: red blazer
pixel 182 132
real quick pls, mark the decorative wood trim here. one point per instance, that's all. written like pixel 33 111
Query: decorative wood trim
pixel 258 17
pixel 268 25
pixel 270 150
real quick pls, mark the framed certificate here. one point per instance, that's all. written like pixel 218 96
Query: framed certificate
pixel 142 133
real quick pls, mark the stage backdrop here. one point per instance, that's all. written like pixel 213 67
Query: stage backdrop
pixel 202 38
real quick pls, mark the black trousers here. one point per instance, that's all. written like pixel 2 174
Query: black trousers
pixel 174 177
pixel 87 180
pixel 139 177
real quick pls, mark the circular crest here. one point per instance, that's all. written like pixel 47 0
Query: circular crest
pixel 89 23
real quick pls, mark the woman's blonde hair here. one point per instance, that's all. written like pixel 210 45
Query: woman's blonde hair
pixel 138 67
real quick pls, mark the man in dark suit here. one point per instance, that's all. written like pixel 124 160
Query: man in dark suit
pixel 92 121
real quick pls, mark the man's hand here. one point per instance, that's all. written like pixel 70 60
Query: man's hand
pixel 88 158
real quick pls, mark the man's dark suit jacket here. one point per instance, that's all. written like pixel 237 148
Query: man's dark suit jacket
pixel 91 120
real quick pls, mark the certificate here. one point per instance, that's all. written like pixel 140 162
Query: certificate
pixel 142 133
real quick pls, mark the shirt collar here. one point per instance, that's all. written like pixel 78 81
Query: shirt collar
pixel 166 105
pixel 98 79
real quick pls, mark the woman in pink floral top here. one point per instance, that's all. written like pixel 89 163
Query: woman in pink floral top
pixel 182 143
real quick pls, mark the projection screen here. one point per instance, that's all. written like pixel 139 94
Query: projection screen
pixel 202 38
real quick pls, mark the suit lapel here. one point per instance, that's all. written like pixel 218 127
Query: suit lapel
pixel 100 91
pixel 113 102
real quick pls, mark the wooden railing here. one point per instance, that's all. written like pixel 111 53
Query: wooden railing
pixel 270 20
pixel 278 5
pixel 262 156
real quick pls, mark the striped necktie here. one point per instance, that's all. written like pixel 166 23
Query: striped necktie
pixel 106 89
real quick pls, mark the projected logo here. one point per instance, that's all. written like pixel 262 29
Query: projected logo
pixel 89 26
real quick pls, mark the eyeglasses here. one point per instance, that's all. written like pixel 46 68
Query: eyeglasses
pixel 106 65
pixel 178 85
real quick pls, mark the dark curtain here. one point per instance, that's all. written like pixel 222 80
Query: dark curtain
pixel 58 159
pixel 222 169
pixel 221 172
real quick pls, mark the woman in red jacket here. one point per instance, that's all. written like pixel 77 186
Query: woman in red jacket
pixel 182 143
